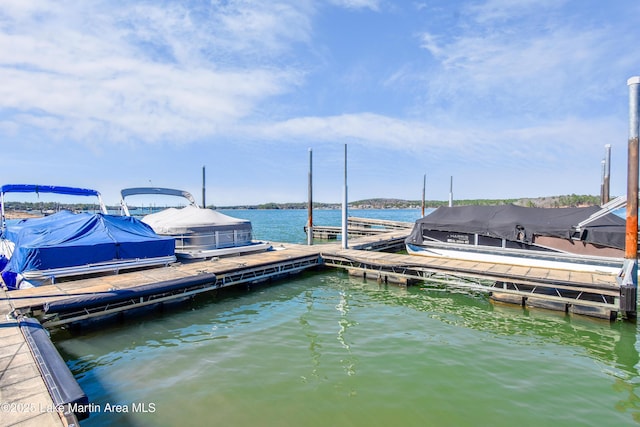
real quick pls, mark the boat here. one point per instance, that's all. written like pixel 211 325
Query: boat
pixel 198 232
pixel 40 250
pixel 579 238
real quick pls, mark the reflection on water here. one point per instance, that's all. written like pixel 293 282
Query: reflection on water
pixel 328 349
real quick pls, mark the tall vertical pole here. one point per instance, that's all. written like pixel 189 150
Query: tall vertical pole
pixel 451 192
pixel 607 173
pixel 310 207
pixel 204 201
pixel 629 276
pixel 4 223
pixel 345 199
pixel 602 163
pixel 424 186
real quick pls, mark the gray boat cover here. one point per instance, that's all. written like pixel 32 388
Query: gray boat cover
pixel 522 223
pixel 192 219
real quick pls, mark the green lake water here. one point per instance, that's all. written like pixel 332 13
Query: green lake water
pixel 326 349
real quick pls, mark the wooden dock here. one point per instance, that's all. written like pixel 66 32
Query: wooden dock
pixel 359 227
pixel 253 268
pixel 24 397
pixel 593 294
pixel 21 383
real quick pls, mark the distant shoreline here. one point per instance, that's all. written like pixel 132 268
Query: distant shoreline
pixel 35 209
pixel 572 200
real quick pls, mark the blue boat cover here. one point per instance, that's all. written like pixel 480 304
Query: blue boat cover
pixel 28 188
pixel 65 239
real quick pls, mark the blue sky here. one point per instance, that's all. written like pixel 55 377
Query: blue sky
pixel 511 98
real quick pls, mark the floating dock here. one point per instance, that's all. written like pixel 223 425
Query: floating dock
pixel 24 397
pixel 576 292
pixel 359 227
pixel 78 301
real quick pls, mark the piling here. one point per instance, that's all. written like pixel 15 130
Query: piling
pixel 204 201
pixel 345 202
pixel 424 185
pixel 607 173
pixel 310 207
pixel 629 276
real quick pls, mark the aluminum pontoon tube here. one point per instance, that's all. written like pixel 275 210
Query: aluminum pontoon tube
pixel 63 387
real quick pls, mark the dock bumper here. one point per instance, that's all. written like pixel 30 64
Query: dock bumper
pixel 67 395
pixel 119 300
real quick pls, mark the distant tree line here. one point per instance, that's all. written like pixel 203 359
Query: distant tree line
pixel 571 200
pixel 50 206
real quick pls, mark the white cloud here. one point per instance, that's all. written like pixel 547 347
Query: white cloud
pixel 520 58
pixel 501 10
pixel 142 72
pixel 358 4
pixel 551 142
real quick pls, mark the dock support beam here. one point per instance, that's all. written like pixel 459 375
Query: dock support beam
pixel 629 276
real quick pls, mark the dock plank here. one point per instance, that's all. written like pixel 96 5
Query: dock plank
pixel 227 266
pixel 21 384
pixel 27 299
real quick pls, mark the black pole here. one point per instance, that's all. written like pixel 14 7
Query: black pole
pixel 204 202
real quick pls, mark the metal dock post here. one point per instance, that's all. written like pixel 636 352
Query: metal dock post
pixel 629 277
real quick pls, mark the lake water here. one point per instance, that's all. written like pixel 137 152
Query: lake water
pixel 326 349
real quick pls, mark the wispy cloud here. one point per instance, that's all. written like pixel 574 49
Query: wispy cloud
pixel 523 57
pixel 551 142
pixel 142 71
pixel 507 10
pixel 357 4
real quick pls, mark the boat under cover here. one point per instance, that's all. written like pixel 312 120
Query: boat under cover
pixel 203 232
pixel 66 244
pixel 198 232
pixel 483 232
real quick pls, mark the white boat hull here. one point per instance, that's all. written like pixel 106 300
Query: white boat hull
pixel 527 258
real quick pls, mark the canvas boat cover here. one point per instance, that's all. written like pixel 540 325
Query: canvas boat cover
pixel 192 219
pixel 65 239
pixel 510 221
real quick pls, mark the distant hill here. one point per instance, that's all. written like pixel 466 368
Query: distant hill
pixel 571 200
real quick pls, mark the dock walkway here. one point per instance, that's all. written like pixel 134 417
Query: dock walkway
pixel 24 397
pixel 589 293
pixel 360 227
pixel 284 260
